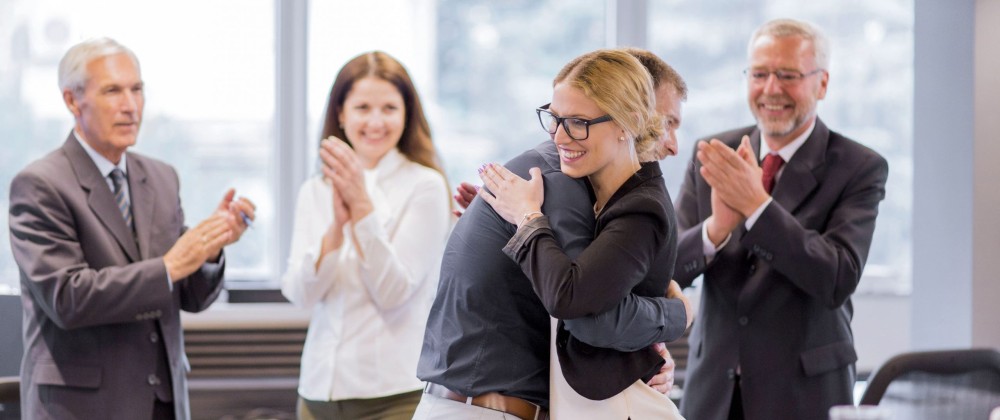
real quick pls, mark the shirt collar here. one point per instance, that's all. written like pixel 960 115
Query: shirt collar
pixel 789 150
pixel 393 159
pixel 104 166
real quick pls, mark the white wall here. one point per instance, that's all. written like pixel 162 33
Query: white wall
pixel 881 327
pixel 986 208
pixel 956 156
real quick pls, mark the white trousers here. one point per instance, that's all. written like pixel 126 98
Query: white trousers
pixel 637 402
pixel 436 408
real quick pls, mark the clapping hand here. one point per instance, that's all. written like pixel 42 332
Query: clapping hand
pixel 734 175
pixel 343 168
pixel 238 212
pixel 464 193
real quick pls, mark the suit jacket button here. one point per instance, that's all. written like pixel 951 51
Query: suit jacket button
pixel 153 337
pixel 153 380
pixel 731 374
pixel 744 321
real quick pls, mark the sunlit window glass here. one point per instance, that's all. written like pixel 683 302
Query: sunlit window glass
pixel 208 69
pixel 482 67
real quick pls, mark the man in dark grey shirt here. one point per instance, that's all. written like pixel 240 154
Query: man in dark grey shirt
pixel 487 338
pixel 488 334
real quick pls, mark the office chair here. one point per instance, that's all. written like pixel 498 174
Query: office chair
pixel 11 341
pixel 951 384
pixel 10 398
pixel 11 349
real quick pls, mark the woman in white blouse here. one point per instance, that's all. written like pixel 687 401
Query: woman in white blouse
pixel 366 249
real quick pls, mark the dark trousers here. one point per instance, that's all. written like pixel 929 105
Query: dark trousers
pixel 163 410
pixel 736 406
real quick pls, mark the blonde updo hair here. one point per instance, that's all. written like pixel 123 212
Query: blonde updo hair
pixel 622 88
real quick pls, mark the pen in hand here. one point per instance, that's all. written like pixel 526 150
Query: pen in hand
pixel 246 220
pixel 243 215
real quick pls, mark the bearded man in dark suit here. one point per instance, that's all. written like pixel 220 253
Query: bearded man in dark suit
pixel 781 247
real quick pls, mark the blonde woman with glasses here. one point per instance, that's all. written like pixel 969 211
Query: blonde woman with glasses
pixel 602 118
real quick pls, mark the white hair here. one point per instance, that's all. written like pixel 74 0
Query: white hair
pixel 73 66
pixel 790 27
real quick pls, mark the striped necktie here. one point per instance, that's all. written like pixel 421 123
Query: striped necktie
pixel 118 179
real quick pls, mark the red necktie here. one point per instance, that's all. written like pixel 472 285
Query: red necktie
pixel 772 162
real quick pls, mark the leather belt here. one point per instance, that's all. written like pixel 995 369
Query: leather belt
pixel 493 401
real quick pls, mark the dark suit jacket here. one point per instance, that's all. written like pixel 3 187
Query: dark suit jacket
pixel 633 251
pixel 99 315
pixel 776 299
pixel 488 331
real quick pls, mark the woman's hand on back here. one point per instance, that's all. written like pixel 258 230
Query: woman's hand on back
pixel 513 198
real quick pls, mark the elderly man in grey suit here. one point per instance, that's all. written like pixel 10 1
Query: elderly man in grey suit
pixel 105 260
pixel 781 245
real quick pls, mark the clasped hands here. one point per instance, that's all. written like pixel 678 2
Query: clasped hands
pixel 351 203
pixel 205 241
pixel 735 178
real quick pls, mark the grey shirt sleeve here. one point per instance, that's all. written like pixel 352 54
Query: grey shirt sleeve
pixel 636 323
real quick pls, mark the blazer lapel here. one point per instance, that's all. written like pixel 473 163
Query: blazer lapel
pixel 99 196
pixel 798 179
pixel 143 203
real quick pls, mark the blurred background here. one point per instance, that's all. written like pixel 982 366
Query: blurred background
pixel 220 74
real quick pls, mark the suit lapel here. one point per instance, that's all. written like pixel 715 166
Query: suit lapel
pixel 143 202
pixel 99 196
pixel 798 179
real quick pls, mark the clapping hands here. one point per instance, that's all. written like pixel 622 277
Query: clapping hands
pixel 205 241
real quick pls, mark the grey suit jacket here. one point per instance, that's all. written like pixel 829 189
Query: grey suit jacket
pixel 99 314
pixel 776 299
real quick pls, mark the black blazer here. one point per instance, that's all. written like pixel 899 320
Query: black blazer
pixel 633 251
pixel 776 299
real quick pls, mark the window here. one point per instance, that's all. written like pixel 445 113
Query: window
pixel 870 96
pixel 481 68
pixel 209 100
pixel 495 65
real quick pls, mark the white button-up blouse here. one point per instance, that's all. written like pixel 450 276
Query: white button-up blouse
pixel 369 314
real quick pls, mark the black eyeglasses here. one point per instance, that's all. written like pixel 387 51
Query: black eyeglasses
pixel 576 128
pixel 785 77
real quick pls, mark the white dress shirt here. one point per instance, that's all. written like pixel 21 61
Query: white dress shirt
pixel 369 314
